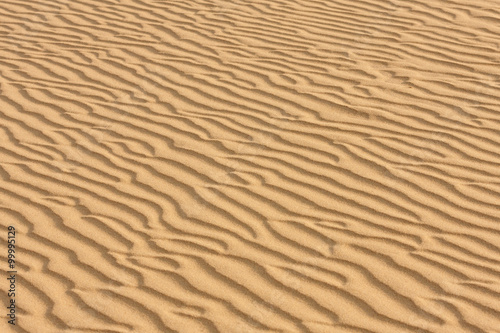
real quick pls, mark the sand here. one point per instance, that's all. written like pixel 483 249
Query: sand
pixel 251 166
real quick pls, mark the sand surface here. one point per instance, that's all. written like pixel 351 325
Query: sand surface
pixel 251 166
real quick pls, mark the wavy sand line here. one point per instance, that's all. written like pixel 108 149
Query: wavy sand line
pixel 253 166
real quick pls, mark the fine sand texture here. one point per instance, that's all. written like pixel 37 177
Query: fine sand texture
pixel 248 166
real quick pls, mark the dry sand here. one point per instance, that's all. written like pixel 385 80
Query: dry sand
pixel 251 166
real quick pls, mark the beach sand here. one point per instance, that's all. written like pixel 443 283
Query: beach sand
pixel 251 166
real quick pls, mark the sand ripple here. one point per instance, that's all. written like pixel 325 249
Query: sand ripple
pixel 252 166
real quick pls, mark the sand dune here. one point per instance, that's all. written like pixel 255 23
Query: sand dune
pixel 251 166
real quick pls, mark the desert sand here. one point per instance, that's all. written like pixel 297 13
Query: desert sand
pixel 251 166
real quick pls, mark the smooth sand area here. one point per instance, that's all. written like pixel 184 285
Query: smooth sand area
pixel 251 166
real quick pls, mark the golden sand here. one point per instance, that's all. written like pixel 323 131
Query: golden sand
pixel 251 166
